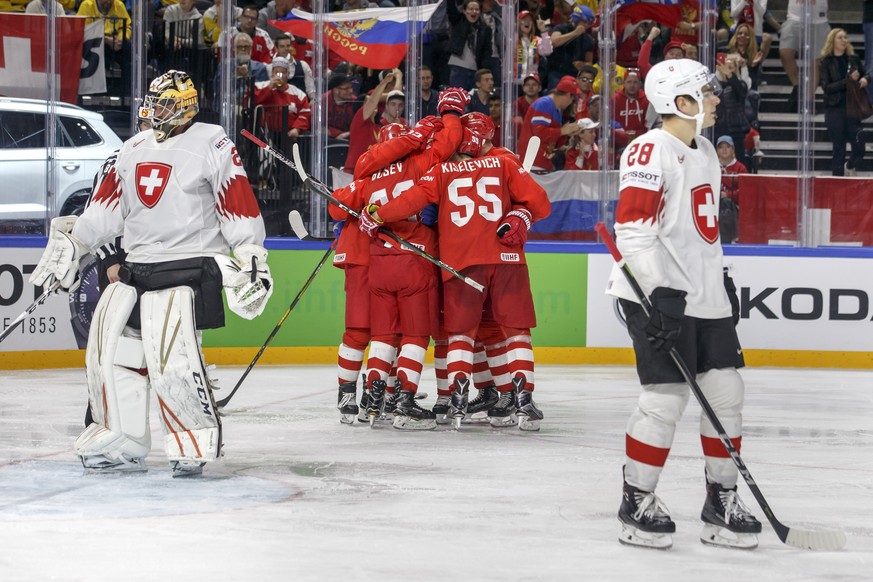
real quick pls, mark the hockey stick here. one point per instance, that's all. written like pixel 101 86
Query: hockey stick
pixel 530 154
pixel 223 402
pixel 39 301
pixel 300 229
pixel 808 540
pixel 323 191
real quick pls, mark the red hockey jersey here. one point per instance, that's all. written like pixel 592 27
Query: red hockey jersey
pixel 473 196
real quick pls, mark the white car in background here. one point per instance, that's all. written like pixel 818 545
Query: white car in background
pixel 84 142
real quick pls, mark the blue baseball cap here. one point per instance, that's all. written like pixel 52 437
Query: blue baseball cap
pixel 581 13
pixel 725 139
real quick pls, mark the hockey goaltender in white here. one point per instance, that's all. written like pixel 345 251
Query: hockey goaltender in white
pixel 179 196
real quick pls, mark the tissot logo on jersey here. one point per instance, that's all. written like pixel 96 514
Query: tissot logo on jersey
pixel 647 179
pixel 151 180
pixel 222 142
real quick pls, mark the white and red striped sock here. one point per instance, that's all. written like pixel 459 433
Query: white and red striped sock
pixel 349 362
pixel 410 362
pixel 440 349
pixel 380 361
pixel 459 361
pixel 521 361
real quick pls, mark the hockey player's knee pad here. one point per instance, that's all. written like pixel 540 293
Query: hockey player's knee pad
pixel 665 402
pixel 724 389
pixel 490 333
pixel 357 338
pixel 391 339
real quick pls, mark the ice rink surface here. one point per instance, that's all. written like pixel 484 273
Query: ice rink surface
pixel 299 496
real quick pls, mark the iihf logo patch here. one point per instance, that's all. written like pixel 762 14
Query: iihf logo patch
pixel 510 257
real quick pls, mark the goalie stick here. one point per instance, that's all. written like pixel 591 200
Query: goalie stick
pixel 804 539
pixel 39 301
pixel 223 402
pixel 322 190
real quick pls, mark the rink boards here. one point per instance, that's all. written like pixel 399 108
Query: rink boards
pixel 800 307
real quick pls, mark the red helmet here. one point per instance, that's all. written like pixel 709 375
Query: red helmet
pixel 391 130
pixel 478 128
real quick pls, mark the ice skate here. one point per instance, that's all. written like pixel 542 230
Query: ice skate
pixel 388 406
pixel 408 415
pixel 95 464
pixel 460 398
pixel 727 521
pixel 441 409
pixel 477 409
pixel 186 468
pixel 645 520
pixel 377 399
pixel 362 407
pixel 529 416
pixel 503 412
pixel 345 403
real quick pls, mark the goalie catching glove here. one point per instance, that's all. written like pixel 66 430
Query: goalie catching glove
pixel 60 259
pixel 246 279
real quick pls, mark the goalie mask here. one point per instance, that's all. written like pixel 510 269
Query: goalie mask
pixel 170 104
pixel 675 78
pixel 392 130
pixel 478 129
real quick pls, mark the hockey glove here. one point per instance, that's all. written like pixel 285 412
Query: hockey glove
pixel 247 280
pixel 425 129
pixel 665 320
pixel 369 225
pixel 60 259
pixel 513 230
pixel 732 296
pixel 453 100
pixel 429 214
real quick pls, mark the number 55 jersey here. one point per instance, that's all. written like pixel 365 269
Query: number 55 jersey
pixel 473 196
pixel 666 222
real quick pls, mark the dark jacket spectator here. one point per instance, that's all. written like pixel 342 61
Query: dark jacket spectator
pixel 469 42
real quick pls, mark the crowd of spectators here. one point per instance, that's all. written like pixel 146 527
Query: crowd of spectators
pixel 556 74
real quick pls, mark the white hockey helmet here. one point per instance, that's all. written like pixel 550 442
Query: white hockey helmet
pixel 673 78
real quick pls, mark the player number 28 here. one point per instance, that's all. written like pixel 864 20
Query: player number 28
pixel 491 210
pixel 640 155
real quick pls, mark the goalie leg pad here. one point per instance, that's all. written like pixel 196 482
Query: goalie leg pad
pixel 118 389
pixel 192 427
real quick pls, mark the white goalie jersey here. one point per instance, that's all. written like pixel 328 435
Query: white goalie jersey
pixel 182 198
pixel 666 222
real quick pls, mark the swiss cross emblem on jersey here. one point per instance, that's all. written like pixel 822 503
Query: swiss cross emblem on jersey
pixel 151 180
pixel 704 209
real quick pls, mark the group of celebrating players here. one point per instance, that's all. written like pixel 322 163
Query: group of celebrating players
pixel 447 190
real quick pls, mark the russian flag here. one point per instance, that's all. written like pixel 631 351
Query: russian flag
pixel 375 38
pixel 664 12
